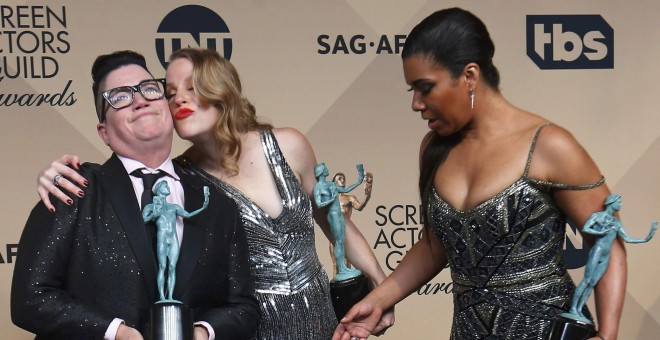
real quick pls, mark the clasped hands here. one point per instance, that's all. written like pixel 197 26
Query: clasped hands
pixel 363 320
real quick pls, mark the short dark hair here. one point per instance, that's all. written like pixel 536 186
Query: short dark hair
pixel 453 38
pixel 104 64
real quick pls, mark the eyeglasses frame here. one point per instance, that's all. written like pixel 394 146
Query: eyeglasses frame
pixel 134 88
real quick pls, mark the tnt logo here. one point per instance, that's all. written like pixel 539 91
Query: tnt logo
pixel 192 26
pixel 570 42
pixel 576 251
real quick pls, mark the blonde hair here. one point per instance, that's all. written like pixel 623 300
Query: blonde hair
pixel 216 83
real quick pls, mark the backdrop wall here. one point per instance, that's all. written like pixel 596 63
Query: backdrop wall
pixel 332 69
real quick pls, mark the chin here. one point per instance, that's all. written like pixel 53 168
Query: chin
pixel 187 136
pixel 443 133
pixel 183 132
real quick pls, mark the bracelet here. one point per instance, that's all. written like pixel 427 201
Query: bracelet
pixel 599 337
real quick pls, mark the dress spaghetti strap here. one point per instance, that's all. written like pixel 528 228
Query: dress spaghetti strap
pixel 552 185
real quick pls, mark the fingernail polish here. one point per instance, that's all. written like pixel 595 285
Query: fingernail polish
pixel 81 194
pixel 69 202
pixel 86 183
pixel 51 210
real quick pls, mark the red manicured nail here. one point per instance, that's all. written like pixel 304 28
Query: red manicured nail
pixel 51 210
pixel 69 202
pixel 81 194
pixel 86 183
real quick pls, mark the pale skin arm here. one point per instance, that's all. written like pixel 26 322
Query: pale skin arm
pixel 127 333
pixel 71 181
pixel 201 333
pixel 300 156
pixel 424 260
pixel 559 158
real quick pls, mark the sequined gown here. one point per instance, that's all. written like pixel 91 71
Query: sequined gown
pixel 291 285
pixel 505 256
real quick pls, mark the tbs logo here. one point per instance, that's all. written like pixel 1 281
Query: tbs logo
pixel 192 26
pixel 570 42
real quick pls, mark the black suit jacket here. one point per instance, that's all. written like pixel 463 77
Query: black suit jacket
pixel 89 263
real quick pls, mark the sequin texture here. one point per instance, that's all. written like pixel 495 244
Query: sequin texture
pixel 505 256
pixel 291 285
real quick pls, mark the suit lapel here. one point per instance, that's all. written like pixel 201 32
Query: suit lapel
pixel 194 229
pixel 117 183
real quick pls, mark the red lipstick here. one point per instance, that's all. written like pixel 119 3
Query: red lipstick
pixel 183 113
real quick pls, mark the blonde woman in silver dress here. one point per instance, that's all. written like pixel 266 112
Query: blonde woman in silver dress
pixel 269 172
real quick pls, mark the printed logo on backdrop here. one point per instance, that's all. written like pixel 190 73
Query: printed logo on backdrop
pixel 360 44
pixel 32 40
pixel 9 254
pixel 192 26
pixel 570 42
pixel 576 251
pixel 401 226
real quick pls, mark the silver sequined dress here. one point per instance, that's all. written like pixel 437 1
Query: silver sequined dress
pixel 291 285
pixel 505 256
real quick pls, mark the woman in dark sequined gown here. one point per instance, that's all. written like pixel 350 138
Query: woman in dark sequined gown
pixel 269 172
pixel 497 184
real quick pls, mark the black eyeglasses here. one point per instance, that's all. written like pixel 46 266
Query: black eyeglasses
pixel 121 97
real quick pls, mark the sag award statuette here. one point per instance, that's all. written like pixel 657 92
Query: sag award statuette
pixel 169 319
pixel 349 285
pixel 574 325
pixel 349 202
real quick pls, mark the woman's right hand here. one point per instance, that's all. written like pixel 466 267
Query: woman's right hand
pixel 67 178
pixel 359 322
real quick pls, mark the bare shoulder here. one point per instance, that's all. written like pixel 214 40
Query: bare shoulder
pixel 561 159
pixel 292 141
pixel 289 135
pixel 296 148
pixel 557 144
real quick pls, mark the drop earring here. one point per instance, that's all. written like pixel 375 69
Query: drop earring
pixel 471 98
